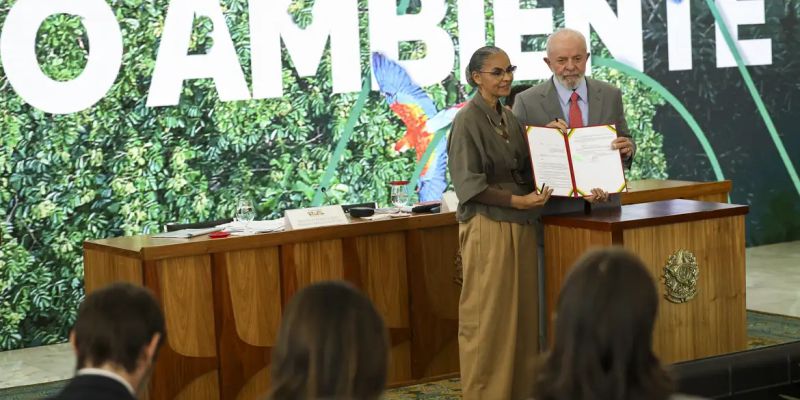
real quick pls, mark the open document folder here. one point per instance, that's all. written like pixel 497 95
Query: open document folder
pixel 575 162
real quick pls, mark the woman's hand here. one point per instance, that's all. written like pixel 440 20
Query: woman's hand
pixel 531 199
pixel 598 196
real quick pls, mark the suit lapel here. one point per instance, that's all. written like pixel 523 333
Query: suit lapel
pixel 595 102
pixel 551 104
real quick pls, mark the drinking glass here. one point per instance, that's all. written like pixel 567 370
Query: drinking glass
pixel 399 193
pixel 245 213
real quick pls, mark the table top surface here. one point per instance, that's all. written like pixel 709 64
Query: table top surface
pixel 647 214
pixel 147 247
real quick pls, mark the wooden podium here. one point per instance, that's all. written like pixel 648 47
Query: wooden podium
pixel 711 323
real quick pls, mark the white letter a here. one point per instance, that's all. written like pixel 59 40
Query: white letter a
pixel 174 64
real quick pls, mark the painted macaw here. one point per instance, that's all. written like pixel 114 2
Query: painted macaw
pixel 417 111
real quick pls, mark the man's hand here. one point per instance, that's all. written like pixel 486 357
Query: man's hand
pixel 558 124
pixel 531 199
pixel 598 196
pixel 624 145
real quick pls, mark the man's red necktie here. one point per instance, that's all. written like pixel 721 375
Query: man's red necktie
pixel 575 116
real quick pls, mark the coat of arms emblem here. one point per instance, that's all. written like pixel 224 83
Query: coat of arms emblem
pixel 680 276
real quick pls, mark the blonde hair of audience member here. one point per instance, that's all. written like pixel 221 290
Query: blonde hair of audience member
pixel 602 344
pixel 332 344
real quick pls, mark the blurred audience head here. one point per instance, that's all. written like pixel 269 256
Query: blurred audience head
pixel 332 344
pixel 515 90
pixel 602 343
pixel 119 329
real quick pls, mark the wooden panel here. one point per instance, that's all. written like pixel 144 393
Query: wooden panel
pixel 187 297
pixel 563 246
pixel 360 261
pixel 254 279
pixel 714 321
pixel 256 387
pixel 100 268
pixel 382 267
pixel 173 371
pixel 445 360
pixel 203 387
pixel 379 261
pixel 247 295
pixel 305 263
pixel 399 362
pixel 431 255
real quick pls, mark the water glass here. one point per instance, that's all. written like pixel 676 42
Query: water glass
pixel 399 193
pixel 245 213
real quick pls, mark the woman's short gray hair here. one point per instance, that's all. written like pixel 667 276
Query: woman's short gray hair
pixel 478 59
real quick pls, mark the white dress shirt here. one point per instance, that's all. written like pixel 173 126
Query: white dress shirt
pixel 583 102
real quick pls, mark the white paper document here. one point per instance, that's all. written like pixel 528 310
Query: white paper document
pixel 266 226
pixel 186 233
pixel 574 163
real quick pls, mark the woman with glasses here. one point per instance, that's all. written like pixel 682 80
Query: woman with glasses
pixel 490 167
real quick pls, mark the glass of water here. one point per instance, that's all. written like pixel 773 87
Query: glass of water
pixel 245 213
pixel 399 193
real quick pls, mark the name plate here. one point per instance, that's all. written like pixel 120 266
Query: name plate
pixel 449 202
pixel 313 217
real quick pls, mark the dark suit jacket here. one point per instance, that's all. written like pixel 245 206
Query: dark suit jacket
pixel 94 387
pixel 539 105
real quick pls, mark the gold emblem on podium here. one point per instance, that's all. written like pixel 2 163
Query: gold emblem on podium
pixel 680 276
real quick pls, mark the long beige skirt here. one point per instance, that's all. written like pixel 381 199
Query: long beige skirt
pixel 498 314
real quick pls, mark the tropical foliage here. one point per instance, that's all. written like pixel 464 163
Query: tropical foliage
pixel 121 168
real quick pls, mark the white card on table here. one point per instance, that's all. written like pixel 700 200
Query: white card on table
pixel 313 217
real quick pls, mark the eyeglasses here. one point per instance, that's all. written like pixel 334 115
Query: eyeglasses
pixel 498 72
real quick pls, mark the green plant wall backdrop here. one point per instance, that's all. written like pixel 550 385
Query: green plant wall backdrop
pixel 121 168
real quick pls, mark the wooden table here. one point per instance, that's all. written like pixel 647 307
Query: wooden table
pixel 223 298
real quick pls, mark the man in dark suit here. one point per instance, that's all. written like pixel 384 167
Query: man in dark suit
pixel 116 338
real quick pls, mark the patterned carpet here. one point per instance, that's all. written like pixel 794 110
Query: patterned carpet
pixel 447 389
pixel 763 329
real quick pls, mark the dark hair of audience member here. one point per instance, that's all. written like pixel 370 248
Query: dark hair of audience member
pixel 332 344
pixel 115 324
pixel 515 90
pixel 602 344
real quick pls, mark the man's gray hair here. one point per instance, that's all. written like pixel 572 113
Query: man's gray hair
pixel 565 32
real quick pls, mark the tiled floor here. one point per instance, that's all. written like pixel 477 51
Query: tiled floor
pixel 773 285
pixel 773 278
pixel 36 365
